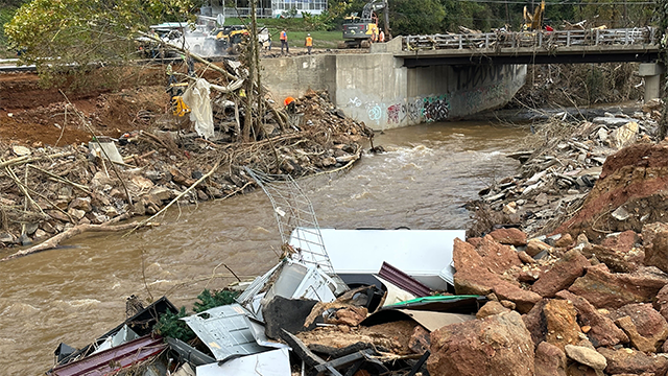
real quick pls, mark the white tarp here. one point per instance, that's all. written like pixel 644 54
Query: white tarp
pixel 270 363
pixel 198 99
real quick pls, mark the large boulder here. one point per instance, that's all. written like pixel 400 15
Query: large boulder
pixel 633 362
pixel 621 252
pixel 614 290
pixel 646 328
pixel 561 322
pixel 602 330
pixel 636 178
pixel 655 238
pixel 549 360
pixel 585 355
pixel 497 345
pixel 562 274
pixel 536 323
pixel 509 236
pixel 480 271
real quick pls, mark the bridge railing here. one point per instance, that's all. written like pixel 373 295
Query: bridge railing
pixel 538 39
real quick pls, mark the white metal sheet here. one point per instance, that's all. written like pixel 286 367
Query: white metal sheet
pixel 422 254
pixel 270 363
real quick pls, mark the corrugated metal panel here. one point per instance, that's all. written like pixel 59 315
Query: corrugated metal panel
pixel 403 280
pixel 112 360
pixel 226 331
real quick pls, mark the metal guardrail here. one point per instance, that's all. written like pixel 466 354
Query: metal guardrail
pixel 537 39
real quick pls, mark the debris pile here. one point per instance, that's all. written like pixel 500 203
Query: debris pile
pixel 63 190
pixel 555 178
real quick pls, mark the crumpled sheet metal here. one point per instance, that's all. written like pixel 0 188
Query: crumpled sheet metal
pixel 226 331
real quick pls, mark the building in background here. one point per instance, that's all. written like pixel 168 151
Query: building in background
pixel 265 8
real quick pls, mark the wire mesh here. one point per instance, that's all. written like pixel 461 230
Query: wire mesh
pixel 296 218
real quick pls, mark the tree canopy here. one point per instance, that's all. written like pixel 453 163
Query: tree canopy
pixel 83 31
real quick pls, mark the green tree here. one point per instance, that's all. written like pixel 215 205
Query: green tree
pixel 416 16
pixel 80 32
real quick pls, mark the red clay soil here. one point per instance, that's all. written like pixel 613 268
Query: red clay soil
pixel 636 177
pixel 34 116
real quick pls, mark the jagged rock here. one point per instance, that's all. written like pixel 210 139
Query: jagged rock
pixel 535 322
pixel 607 290
pixel 160 194
pixel 602 330
pixel 497 345
pixel 661 302
pixel 535 246
pixel 509 236
pixel 82 203
pixel 76 213
pixel 56 214
pixel 491 308
pixel 577 369
pixel 633 362
pixel 477 270
pixel 645 327
pixel 561 322
pixel 525 258
pixel 549 360
pixel 562 274
pixel 564 241
pixel 420 340
pixel 655 238
pixel 586 356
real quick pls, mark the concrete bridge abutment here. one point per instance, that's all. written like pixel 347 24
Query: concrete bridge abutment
pixel 653 74
pixel 379 90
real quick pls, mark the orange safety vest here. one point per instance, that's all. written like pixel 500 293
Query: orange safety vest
pixel 284 35
pixel 288 100
pixel 309 42
pixel 381 37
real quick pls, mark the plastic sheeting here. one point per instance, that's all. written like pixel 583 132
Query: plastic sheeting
pixel 198 99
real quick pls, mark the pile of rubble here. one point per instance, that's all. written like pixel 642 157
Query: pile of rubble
pixel 555 178
pixel 49 191
pixel 555 306
pixel 572 307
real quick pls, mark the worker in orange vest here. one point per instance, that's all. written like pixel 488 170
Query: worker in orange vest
pixel 309 43
pixel 374 35
pixel 290 105
pixel 284 42
pixel 381 36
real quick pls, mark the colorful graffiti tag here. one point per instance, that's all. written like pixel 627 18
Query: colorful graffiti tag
pixel 436 108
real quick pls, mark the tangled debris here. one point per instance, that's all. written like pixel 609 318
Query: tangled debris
pixel 555 178
pixel 65 190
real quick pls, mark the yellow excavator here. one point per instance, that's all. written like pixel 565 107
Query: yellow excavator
pixel 357 31
pixel 534 21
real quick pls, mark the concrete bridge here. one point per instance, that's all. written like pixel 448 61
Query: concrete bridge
pixel 417 79
pixel 541 47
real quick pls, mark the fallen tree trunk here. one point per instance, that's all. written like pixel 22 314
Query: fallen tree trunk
pixel 76 230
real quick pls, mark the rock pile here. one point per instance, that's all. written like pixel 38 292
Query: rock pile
pixel 555 178
pixel 586 309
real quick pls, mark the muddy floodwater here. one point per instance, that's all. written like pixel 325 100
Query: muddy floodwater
pixel 76 293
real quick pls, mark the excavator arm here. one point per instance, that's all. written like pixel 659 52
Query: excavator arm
pixel 373 6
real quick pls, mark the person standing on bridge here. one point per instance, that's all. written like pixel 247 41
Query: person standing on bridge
pixel 284 42
pixel 309 43
pixel 381 36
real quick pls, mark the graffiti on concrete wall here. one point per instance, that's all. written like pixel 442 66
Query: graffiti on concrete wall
pixel 436 108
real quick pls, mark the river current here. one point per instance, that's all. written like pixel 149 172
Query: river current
pixel 77 293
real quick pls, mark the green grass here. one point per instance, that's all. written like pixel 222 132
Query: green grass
pixel 297 29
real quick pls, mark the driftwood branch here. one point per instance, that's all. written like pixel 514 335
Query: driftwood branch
pixel 76 230
pixel 26 159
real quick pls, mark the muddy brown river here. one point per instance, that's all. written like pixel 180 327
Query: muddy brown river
pixel 77 293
